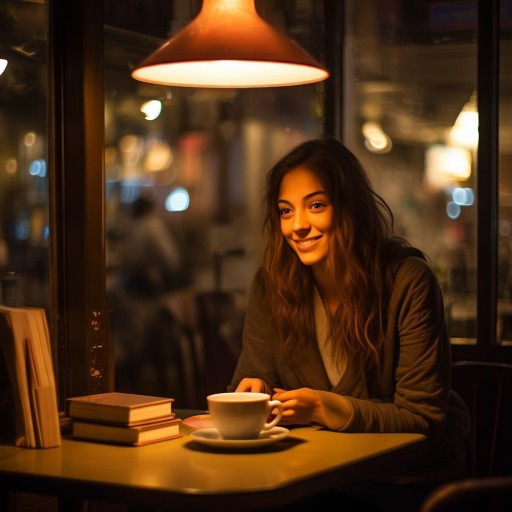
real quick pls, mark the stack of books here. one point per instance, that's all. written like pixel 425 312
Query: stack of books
pixel 123 418
pixel 30 383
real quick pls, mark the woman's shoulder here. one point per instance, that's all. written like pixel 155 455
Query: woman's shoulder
pixel 415 280
pixel 414 265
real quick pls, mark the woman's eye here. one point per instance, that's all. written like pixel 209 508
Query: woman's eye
pixel 284 211
pixel 317 206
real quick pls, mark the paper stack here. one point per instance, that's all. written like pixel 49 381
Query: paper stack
pixel 25 344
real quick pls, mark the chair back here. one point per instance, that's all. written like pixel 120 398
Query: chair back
pixel 491 494
pixel 486 387
pixel 220 323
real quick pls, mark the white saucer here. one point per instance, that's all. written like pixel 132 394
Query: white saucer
pixel 211 437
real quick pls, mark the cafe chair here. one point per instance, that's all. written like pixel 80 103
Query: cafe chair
pixel 488 494
pixel 220 316
pixel 486 388
pixel 173 353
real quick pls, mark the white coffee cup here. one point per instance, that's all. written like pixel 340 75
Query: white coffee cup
pixel 243 415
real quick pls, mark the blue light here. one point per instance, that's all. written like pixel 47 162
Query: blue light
pixel 463 196
pixel 37 168
pixel 178 200
pixel 22 229
pixel 129 192
pixel 452 210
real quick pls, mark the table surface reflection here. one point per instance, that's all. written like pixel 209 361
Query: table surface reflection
pixel 185 475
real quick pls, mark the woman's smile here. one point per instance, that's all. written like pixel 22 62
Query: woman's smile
pixel 307 243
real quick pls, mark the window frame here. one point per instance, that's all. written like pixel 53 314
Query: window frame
pixel 79 316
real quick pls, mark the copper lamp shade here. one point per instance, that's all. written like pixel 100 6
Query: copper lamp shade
pixel 229 45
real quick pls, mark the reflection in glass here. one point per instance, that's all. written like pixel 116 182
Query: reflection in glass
pixel 410 70
pixel 24 219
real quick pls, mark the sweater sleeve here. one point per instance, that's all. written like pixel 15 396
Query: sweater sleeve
pixel 420 370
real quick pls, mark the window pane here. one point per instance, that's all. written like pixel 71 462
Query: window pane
pixel 504 334
pixel 202 163
pixel 410 109
pixel 24 248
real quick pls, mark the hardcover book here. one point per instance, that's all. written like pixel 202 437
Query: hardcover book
pixel 135 436
pixel 126 409
pixel 25 344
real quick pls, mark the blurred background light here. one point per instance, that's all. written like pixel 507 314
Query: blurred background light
pixel 178 200
pixel 464 132
pixel 463 196
pixel 375 139
pixel 446 164
pixel 37 168
pixel 453 210
pixel 151 109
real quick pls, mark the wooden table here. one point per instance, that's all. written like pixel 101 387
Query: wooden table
pixel 184 475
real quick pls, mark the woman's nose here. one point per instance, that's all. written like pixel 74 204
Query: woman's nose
pixel 300 221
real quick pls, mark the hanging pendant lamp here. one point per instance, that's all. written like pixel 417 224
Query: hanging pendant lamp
pixel 229 45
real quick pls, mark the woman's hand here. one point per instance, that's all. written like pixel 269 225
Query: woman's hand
pixel 250 384
pixel 300 406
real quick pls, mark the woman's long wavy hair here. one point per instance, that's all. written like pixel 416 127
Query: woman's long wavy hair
pixel 362 254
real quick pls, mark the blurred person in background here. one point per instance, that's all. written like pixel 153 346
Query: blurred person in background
pixel 148 267
pixel 151 261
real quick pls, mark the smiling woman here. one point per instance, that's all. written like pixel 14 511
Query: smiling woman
pixel 345 321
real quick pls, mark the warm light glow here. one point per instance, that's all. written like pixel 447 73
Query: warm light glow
pixel 445 165
pixel 158 157
pixel 11 166
pixel 229 45
pixel 233 73
pixel 376 140
pixel 3 65
pixel 464 132
pixel 131 151
pixel 29 139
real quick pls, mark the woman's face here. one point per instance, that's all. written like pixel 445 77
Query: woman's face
pixel 306 215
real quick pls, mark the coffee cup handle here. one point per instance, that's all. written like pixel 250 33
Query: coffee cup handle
pixel 274 404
